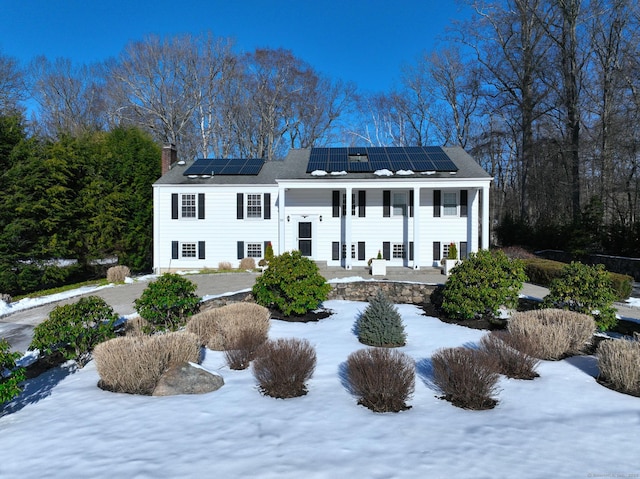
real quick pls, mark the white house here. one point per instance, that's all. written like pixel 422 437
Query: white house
pixel 336 205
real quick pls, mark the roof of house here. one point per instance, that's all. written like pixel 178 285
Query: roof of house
pixel 296 166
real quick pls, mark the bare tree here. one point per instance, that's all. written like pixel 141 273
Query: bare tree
pixel 12 86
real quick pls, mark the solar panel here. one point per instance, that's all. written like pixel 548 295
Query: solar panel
pixel 234 166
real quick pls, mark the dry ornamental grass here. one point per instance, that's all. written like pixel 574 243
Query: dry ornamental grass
pixel 551 334
pixel 510 360
pixel 117 274
pixel 219 329
pixel 133 364
pixel 619 363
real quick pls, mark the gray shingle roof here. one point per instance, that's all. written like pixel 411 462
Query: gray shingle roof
pixel 294 167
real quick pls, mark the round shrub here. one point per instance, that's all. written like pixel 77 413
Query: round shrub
pixel 481 284
pixel 292 284
pixel 10 375
pixel 619 364
pixel 117 274
pixel 510 360
pixel 466 378
pixel 550 333
pixel 380 324
pixel 584 289
pixel 283 366
pixel 383 379
pixel 167 302
pixel 75 329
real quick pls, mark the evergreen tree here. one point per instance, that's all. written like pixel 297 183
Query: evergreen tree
pixel 380 324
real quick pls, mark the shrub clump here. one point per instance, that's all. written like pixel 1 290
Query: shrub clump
pixel 550 334
pixel 167 302
pixel 283 366
pixel 221 328
pixel 481 284
pixel 380 324
pixel 292 283
pixel 225 266
pixel 466 378
pixel 134 364
pixel 117 274
pixel 509 360
pixel 242 349
pixel 10 375
pixel 619 364
pixel 75 329
pixel 383 379
pixel 584 289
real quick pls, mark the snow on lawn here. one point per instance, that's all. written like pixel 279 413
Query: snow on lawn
pixel 563 424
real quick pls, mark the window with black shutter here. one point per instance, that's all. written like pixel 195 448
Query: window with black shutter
pixel 464 202
pixel 362 203
pixel 386 203
pixel 436 251
pixel 240 206
pixel 174 250
pixel 201 250
pixel 361 251
pixel 267 206
pixel 200 206
pixel 386 250
pixel 174 206
pixel 240 249
pixel 437 203
pixel 335 250
pixel 336 203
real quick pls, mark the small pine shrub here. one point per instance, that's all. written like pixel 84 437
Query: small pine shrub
pixel 481 284
pixel 134 364
pixel 268 252
pixel 380 324
pixel 242 349
pixel 247 264
pixel 117 274
pixel 550 334
pixel 10 375
pixel 167 302
pixel 383 379
pixel 221 328
pixel 292 283
pixel 225 266
pixel 584 289
pixel 510 361
pixel 466 377
pixel 75 329
pixel 453 251
pixel 619 364
pixel 283 366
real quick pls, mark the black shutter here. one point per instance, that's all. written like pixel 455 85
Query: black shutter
pixel 436 250
pixel 336 203
pixel 463 250
pixel 464 202
pixel 437 202
pixel 174 250
pixel 201 250
pixel 335 250
pixel 240 249
pixel 361 251
pixel 267 206
pixel 386 250
pixel 201 207
pixel 411 203
pixel 386 203
pixel 240 206
pixel 410 250
pixel 174 206
pixel 362 203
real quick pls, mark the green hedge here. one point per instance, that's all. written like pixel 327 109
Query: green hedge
pixel 543 271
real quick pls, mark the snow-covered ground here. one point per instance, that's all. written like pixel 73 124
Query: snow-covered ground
pixel 561 425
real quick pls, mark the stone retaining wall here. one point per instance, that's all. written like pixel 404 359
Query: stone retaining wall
pixel 397 292
pixel 616 264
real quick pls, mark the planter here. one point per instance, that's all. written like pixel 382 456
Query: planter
pixel 378 267
pixel 449 264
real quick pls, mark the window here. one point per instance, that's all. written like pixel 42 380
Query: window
pixel 188 250
pixel 254 206
pixel 188 206
pixel 399 204
pixel 254 250
pixel 450 204
pixel 398 250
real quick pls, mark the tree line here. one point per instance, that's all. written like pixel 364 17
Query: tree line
pixel 543 93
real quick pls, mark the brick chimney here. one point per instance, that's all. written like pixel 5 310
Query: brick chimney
pixel 169 157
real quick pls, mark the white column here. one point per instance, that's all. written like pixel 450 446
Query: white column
pixel 472 220
pixel 347 228
pixel 281 219
pixel 416 227
pixel 485 217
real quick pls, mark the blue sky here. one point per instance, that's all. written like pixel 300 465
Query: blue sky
pixel 362 41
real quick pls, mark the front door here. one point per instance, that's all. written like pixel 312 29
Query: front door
pixel 304 238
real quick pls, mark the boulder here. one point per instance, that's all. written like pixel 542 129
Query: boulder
pixel 187 378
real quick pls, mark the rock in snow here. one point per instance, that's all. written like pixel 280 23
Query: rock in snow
pixel 187 378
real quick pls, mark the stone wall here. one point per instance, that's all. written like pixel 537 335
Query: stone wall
pixel 397 292
pixel 410 293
